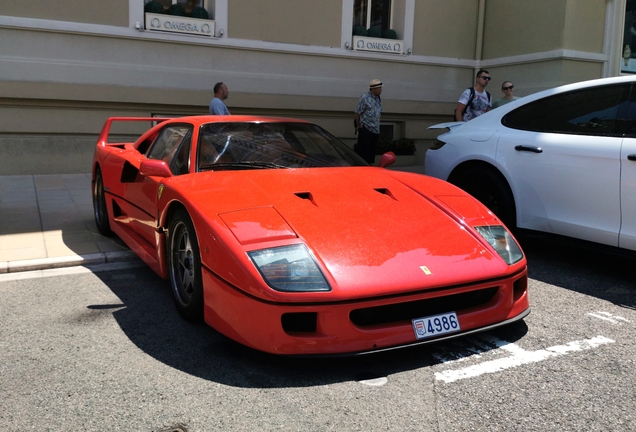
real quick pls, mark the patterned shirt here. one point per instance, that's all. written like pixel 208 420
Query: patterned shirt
pixel 480 105
pixel 370 107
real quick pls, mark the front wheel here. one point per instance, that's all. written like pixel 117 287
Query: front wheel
pixel 491 189
pixel 184 265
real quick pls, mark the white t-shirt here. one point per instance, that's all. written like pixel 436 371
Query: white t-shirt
pixel 480 104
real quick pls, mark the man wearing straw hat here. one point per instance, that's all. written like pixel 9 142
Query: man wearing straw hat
pixel 367 121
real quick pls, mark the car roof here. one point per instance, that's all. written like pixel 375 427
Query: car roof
pixel 581 85
pixel 202 119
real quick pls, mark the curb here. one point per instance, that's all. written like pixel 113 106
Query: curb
pixel 66 261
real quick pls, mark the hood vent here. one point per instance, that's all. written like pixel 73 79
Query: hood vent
pixel 385 191
pixel 306 196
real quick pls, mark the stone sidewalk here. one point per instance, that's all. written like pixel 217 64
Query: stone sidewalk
pixel 46 221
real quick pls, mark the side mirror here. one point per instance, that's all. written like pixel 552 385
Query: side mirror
pixel 387 159
pixel 154 168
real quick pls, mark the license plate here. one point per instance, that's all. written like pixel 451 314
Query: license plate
pixel 435 325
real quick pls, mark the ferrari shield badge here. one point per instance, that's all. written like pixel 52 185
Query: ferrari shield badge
pixel 426 271
pixel 160 191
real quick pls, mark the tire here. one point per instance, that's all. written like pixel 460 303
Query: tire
pixel 492 190
pixel 184 266
pixel 100 211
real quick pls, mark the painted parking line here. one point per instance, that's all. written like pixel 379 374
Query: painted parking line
pixel 519 357
pixel 606 316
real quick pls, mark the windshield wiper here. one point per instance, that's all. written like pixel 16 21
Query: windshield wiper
pixel 242 165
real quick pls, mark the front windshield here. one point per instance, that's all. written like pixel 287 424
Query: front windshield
pixel 244 145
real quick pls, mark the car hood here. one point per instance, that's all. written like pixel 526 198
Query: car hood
pixel 371 229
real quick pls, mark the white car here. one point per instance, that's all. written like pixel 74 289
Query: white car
pixel 561 161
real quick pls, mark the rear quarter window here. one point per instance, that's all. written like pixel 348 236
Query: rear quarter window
pixel 591 111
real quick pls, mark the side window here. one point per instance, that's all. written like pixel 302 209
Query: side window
pixel 628 114
pixel 592 111
pixel 167 143
pixel 181 162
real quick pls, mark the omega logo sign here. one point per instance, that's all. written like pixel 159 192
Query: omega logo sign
pixel 378 45
pixel 180 25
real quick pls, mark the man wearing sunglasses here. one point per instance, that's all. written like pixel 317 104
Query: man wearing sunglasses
pixel 475 101
pixel 506 88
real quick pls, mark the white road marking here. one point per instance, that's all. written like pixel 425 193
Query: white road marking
pixel 520 357
pixel 605 316
pixel 375 382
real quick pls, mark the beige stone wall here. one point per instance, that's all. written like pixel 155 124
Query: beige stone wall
pixel 532 77
pixel 585 25
pixel 445 28
pixel 305 22
pixel 84 68
pixel 112 12
pixel 516 27
pixel 58 87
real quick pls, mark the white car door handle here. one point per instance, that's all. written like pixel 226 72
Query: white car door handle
pixel 529 148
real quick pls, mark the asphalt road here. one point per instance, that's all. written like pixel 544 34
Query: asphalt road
pixel 106 351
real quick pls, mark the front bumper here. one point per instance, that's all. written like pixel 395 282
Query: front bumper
pixel 360 325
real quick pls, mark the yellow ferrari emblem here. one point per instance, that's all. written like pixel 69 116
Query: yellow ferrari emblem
pixel 160 191
pixel 426 271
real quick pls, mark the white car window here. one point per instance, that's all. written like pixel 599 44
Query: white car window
pixel 583 112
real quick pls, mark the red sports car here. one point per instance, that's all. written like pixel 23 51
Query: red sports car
pixel 283 239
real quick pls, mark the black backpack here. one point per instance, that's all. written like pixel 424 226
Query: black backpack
pixel 470 100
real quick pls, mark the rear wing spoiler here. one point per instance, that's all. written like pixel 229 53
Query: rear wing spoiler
pixel 103 136
pixel 449 125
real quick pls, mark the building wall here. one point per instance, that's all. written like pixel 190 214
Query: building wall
pixel 585 25
pixel 113 12
pixel 62 76
pixel 445 28
pixel 543 43
pixel 514 28
pixel 545 74
pixel 305 22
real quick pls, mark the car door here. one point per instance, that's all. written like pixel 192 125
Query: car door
pixel 562 155
pixel 172 145
pixel 627 238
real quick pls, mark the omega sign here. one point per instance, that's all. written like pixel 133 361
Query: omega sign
pixel 175 24
pixel 392 46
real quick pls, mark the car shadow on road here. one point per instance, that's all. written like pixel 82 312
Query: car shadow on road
pixel 595 270
pixel 151 322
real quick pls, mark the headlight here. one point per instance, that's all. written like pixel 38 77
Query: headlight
pixel 290 269
pixel 501 240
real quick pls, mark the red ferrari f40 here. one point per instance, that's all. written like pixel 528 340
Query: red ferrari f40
pixel 279 236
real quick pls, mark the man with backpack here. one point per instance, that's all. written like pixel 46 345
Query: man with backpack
pixel 475 101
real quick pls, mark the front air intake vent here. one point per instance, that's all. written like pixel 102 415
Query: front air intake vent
pixel 129 173
pixel 299 322
pixel 406 312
